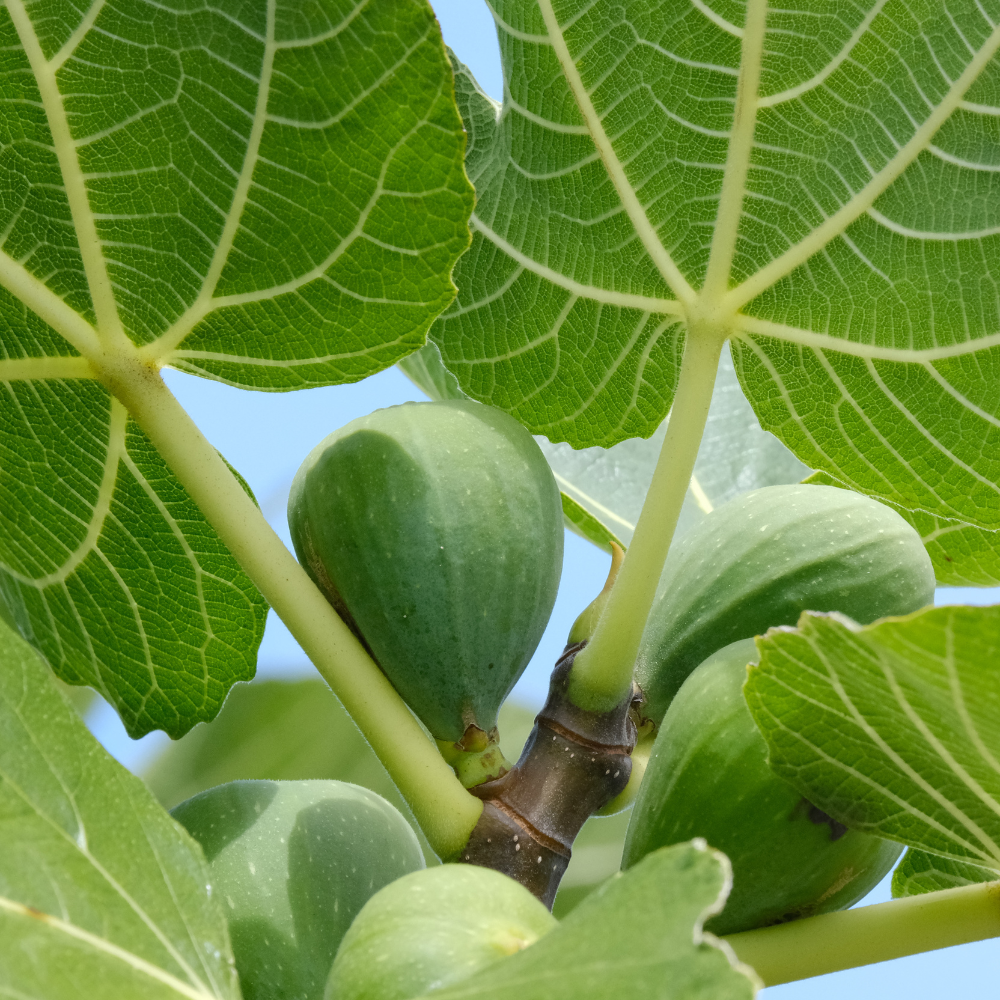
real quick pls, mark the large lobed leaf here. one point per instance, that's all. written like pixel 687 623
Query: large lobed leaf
pixel 632 937
pixel 893 728
pixel 820 182
pixel 269 193
pixel 101 893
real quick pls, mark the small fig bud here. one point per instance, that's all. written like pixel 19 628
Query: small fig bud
pixel 584 626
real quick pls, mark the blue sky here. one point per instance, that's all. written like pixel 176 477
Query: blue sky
pixel 266 436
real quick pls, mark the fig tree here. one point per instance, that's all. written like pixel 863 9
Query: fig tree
pixel 708 777
pixel 435 529
pixel 433 928
pixel 291 863
pixel 762 559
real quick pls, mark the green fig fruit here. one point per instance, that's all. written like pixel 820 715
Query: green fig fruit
pixel 433 928
pixel 708 777
pixel 762 559
pixel 436 530
pixel 291 863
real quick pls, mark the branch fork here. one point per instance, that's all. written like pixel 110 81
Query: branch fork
pixel 574 763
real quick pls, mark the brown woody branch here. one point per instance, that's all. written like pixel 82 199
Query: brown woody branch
pixel 574 763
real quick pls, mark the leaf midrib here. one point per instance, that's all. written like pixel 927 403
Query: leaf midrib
pixel 84 850
pixel 105 947
pixel 676 281
pixel 717 303
pixel 109 328
pixel 779 267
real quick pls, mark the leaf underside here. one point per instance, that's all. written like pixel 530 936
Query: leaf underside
pixel 101 893
pixel 843 230
pixel 893 728
pixel 270 194
pixel 920 872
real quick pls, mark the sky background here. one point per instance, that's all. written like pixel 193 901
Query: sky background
pixel 267 435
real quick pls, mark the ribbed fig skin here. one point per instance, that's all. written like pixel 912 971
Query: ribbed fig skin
pixel 762 559
pixel 708 777
pixel 436 528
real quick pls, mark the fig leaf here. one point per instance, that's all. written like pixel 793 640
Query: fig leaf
pixel 101 893
pixel 656 910
pixel 890 728
pixel 920 872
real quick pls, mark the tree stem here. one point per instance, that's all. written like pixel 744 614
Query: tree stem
pixel 446 812
pixel 818 945
pixel 602 673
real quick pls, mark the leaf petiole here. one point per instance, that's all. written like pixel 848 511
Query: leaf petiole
pixel 815 946
pixel 602 672
pixel 445 811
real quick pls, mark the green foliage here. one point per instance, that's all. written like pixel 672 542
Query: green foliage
pixel 205 188
pixel 646 912
pixel 893 728
pixel 434 928
pixel 835 241
pixel 708 777
pixel 272 194
pixel 101 893
pixel 292 863
pixel 580 520
pixel 436 530
pixel 920 872
pixel 110 569
pixel 763 559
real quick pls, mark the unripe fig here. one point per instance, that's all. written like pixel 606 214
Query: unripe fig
pixel 708 777
pixel 434 928
pixel 436 530
pixel 762 559
pixel 291 863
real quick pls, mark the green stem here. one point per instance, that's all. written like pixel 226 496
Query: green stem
pixel 602 672
pixel 446 812
pixel 818 945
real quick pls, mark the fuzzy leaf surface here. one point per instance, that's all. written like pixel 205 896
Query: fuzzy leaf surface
pixel 109 568
pixel 101 893
pixel 892 728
